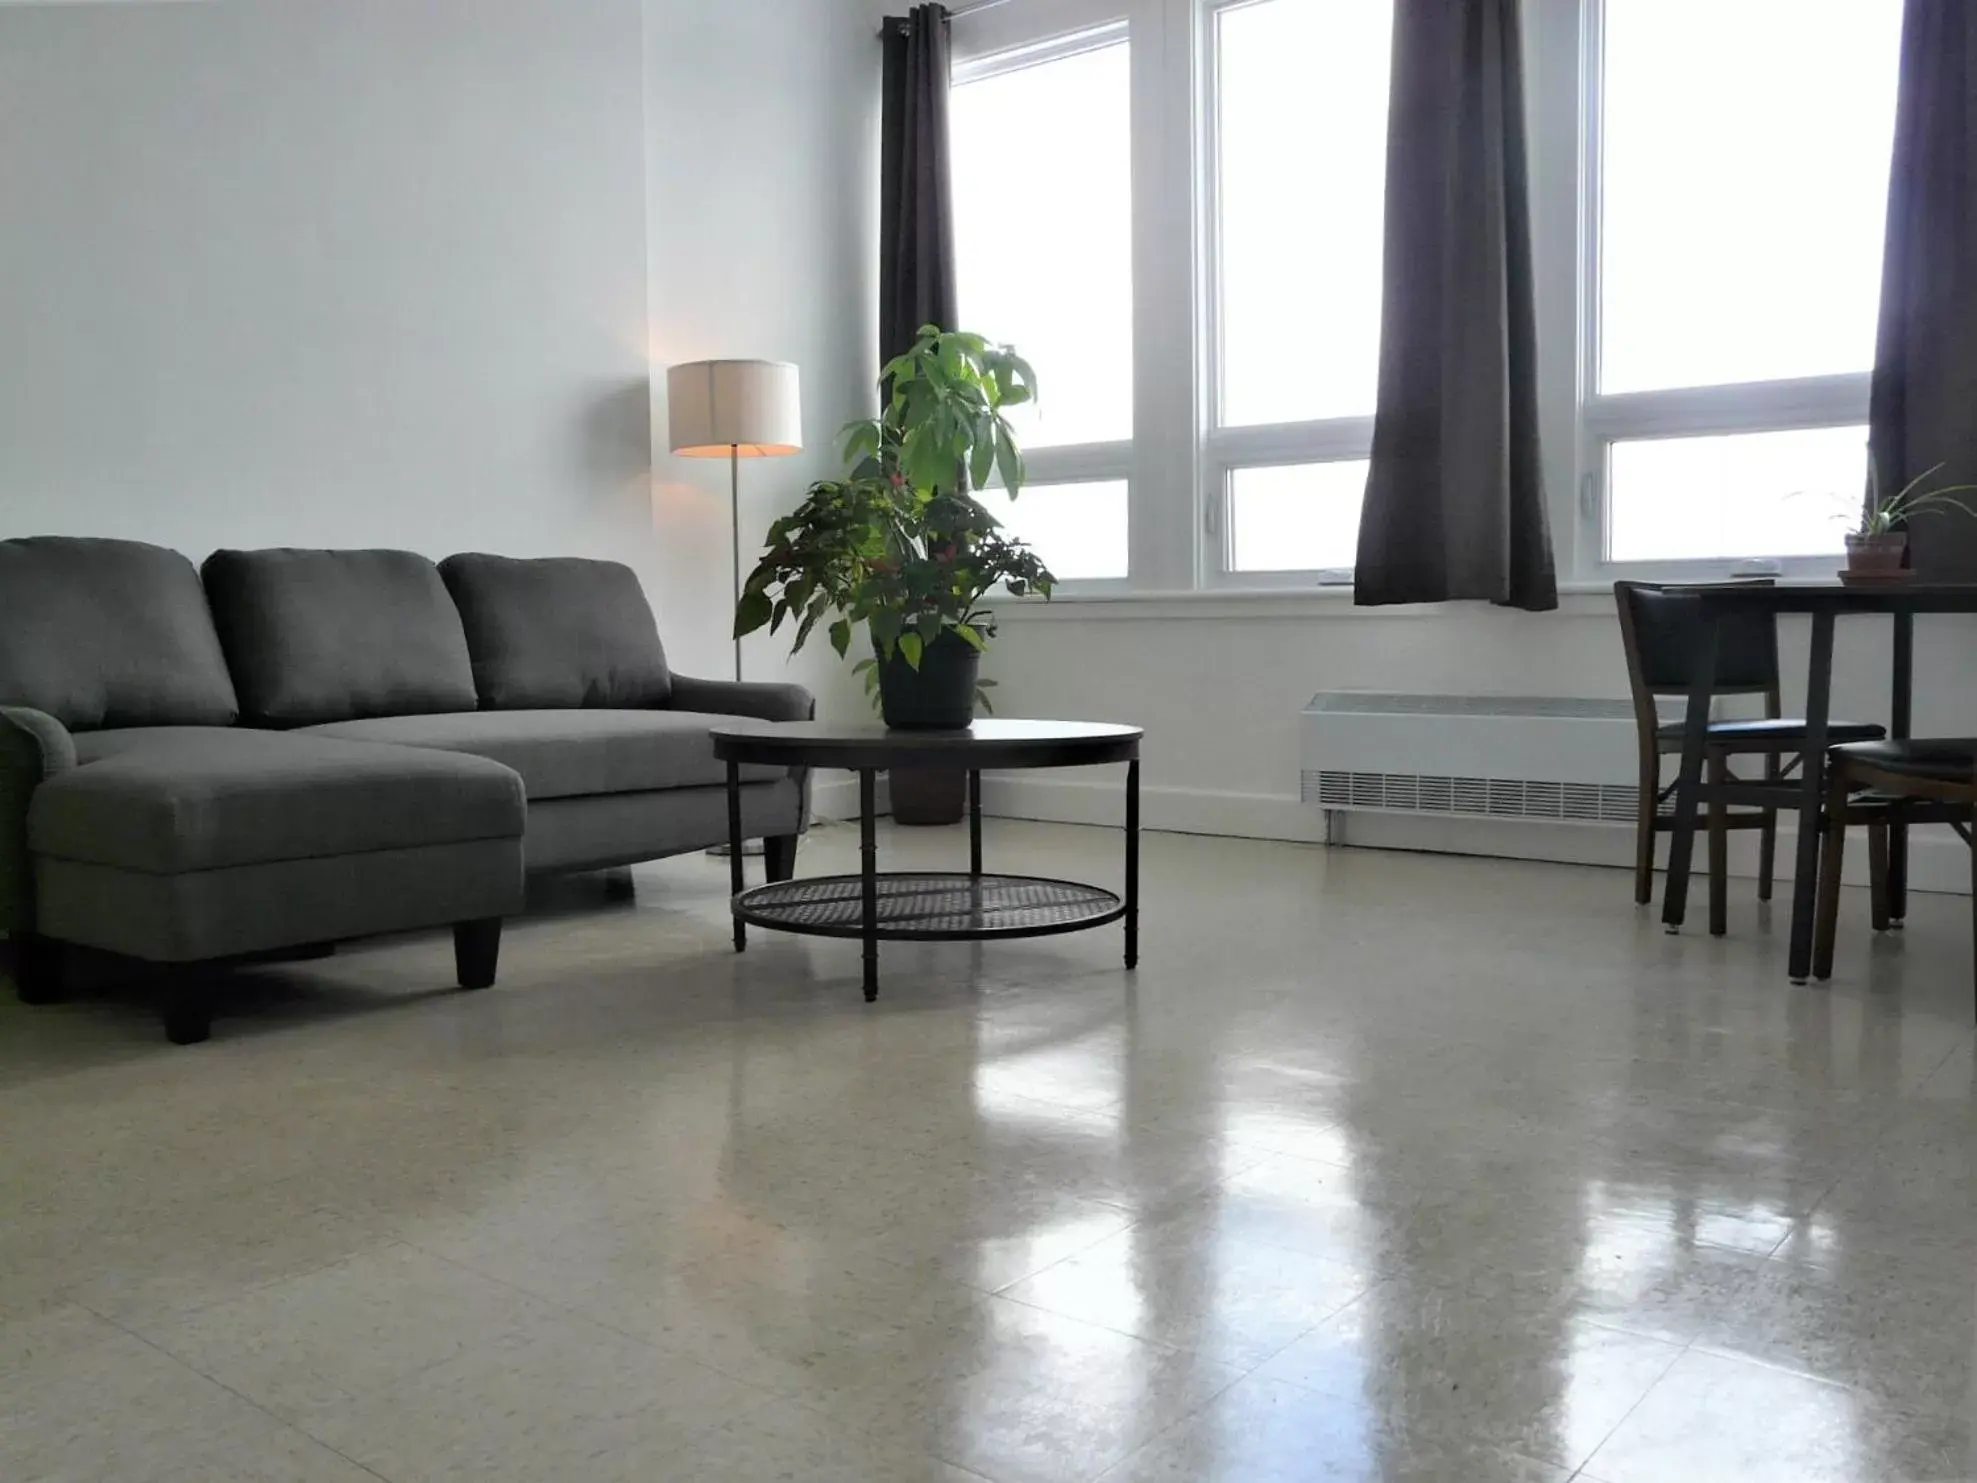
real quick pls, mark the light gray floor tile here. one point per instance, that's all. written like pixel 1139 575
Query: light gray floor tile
pixel 1716 1418
pixel 346 1330
pixel 564 1398
pixel 1267 1431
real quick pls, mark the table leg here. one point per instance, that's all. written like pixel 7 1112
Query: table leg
pixel 1133 863
pixel 1812 796
pixel 735 878
pixel 1688 786
pixel 868 863
pixel 1901 722
pixel 975 824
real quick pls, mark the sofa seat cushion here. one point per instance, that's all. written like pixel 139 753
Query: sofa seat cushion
pixel 174 800
pixel 315 636
pixel 108 633
pixel 573 753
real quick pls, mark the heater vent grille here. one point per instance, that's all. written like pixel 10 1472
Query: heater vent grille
pixel 1492 798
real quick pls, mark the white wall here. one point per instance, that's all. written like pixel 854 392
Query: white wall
pixel 762 177
pixel 396 272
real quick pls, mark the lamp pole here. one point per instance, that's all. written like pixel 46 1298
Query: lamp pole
pixel 734 545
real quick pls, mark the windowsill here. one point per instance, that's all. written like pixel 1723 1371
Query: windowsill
pixel 1576 600
pixel 1586 598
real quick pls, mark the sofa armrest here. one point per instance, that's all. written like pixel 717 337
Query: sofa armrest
pixel 34 747
pixel 760 701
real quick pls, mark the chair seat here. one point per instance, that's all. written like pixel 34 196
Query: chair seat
pixel 1779 734
pixel 1934 760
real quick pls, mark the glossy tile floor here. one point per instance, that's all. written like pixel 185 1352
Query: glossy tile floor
pixel 1385 1167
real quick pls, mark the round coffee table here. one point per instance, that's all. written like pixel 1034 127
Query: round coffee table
pixel 930 906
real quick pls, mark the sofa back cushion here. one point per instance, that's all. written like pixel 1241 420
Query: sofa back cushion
pixel 558 633
pixel 109 633
pixel 318 636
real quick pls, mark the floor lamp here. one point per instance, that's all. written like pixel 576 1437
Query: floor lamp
pixel 734 409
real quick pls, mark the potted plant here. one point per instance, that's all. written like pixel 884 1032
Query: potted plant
pixel 898 546
pixel 1877 551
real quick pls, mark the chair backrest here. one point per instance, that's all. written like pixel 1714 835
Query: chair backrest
pixel 1661 631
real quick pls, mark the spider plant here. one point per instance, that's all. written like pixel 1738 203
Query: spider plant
pixel 1889 515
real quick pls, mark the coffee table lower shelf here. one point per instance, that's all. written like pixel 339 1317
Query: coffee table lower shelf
pixel 930 906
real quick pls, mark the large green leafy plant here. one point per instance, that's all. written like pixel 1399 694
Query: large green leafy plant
pixel 898 544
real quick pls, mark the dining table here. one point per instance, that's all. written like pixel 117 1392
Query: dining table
pixel 1825 603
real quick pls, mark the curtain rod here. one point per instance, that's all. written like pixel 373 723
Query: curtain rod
pixel 956 12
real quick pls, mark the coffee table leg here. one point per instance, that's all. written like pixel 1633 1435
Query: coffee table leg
pixel 974 824
pixel 1133 863
pixel 868 863
pixel 736 880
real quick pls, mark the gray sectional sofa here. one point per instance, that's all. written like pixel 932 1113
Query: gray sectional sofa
pixel 286 749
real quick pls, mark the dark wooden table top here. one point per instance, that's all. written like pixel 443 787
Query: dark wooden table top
pixel 986 744
pixel 1831 597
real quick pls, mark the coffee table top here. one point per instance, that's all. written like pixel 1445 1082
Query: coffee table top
pixel 868 744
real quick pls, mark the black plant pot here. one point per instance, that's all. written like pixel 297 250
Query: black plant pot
pixel 925 797
pixel 939 695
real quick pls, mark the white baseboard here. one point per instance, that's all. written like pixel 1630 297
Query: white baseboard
pixel 1938 860
pixel 1175 810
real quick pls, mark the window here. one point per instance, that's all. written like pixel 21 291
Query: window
pixel 1780 494
pixel 1042 141
pixel 1300 184
pixel 1078 529
pixel 1741 186
pixel 1296 517
pixel 1176 210
pixel 1043 214
pixel 1297 180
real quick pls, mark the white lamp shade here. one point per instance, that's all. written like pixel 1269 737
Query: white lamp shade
pixel 716 408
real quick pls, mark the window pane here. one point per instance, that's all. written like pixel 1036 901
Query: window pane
pixel 1791 493
pixel 1296 517
pixel 1302 119
pixel 1079 530
pixel 1043 208
pixel 1744 178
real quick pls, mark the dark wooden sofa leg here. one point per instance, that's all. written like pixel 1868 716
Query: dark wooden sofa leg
pixel 187 1007
pixel 619 885
pixel 779 856
pixel 37 968
pixel 476 951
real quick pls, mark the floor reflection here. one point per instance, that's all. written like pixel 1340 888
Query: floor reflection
pixel 1337 1187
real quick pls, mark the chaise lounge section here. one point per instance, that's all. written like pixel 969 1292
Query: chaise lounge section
pixel 312 746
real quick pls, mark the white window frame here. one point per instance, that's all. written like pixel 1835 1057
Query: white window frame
pixel 1010 38
pixel 1692 411
pixel 1225 450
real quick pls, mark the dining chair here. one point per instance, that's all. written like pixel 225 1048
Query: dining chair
pixel 1661 633
pixel 1921 782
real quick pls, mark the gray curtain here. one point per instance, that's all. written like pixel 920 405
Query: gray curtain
pixel 916 188
pixel 1925 365
pixel 1455 504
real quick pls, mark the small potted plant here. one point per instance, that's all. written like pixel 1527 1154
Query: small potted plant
pixel 1878 550
pixel 899 546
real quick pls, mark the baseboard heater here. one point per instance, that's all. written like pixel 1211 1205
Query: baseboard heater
pixel 1544 758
